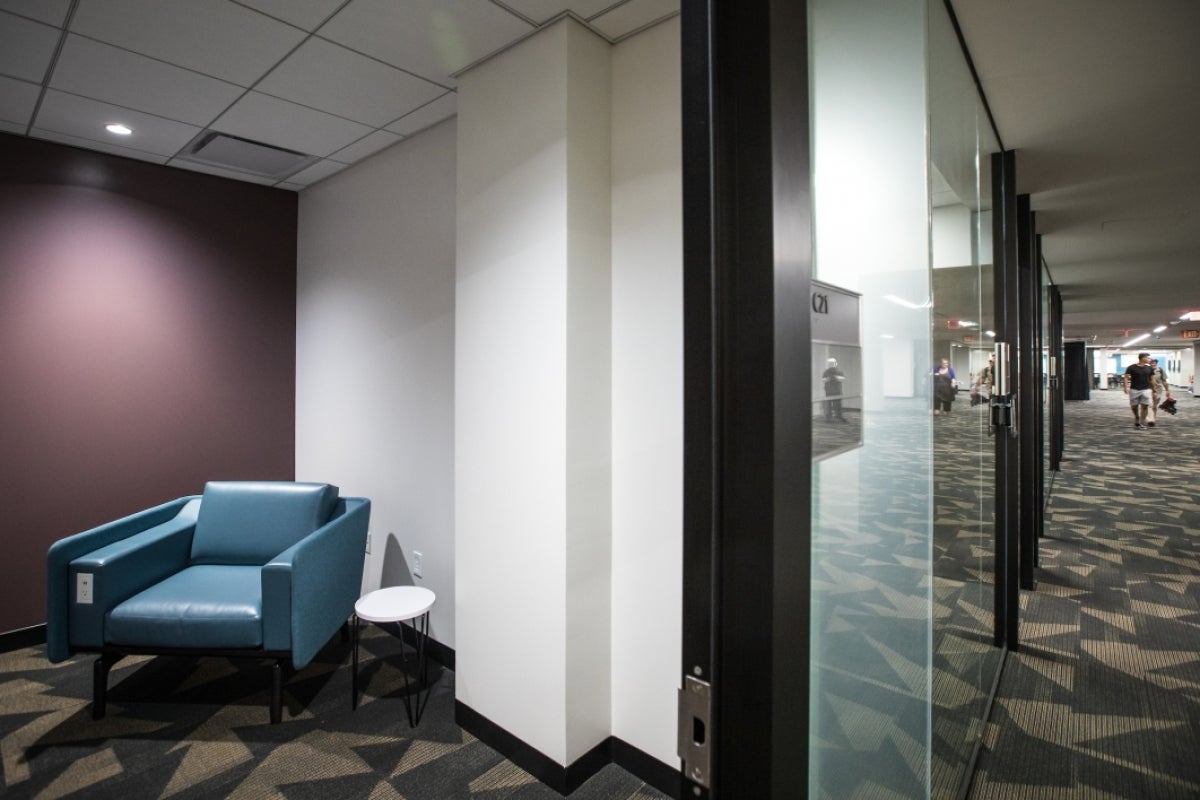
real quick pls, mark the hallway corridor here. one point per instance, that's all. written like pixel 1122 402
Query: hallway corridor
pixel 1103 698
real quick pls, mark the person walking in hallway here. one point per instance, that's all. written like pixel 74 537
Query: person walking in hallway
pixel 943 387
pixel 1159 390
pixel 834 378
pixel 1139 380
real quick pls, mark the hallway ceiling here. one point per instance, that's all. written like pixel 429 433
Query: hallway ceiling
pixel 1099 100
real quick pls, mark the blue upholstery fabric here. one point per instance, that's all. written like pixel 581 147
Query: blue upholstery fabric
pixel 310 589
pixel 207 606
pixel 122 569
pixel 251 522
pixel 60 589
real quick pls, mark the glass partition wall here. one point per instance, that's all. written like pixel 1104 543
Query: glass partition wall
pixel 902 498
pixel 871 601
pixel 965 662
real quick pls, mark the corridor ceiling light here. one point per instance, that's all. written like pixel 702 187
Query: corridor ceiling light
pixel 900 301
pixel 886 336
pixel 1160 329
pixel 990 333
pixel 118 129
pixel 1136 339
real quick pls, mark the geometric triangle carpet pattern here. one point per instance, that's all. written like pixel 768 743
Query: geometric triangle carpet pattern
pixel 1102 700
pixel 192 728
pixel 885 724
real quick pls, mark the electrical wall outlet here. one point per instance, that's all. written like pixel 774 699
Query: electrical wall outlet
pixel 416 564
pixel 84 587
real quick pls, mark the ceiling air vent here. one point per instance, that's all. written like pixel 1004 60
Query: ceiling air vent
pixel 243 155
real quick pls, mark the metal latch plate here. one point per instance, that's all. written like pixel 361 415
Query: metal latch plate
pixel 695 730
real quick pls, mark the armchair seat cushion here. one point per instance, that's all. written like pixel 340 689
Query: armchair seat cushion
pixel 205 606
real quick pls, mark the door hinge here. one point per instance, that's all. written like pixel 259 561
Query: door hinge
pixel 695 730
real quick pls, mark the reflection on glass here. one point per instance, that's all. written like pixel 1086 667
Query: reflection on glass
pixel 964 660
pixel 837 370
pixel 871 603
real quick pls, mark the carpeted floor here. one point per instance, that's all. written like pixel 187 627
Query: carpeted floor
pixel 1103 699
pixel 197 728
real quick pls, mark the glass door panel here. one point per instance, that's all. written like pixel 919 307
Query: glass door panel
pixel 964 659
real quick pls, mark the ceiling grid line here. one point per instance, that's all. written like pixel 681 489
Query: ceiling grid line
pixel 62 38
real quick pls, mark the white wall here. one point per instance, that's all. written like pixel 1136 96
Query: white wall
pixel 585 621
pixel 375 354
pixel 532 447
pixel 647 309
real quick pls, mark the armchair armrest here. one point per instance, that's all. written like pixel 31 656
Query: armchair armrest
pixel 159 526
pixel 309 590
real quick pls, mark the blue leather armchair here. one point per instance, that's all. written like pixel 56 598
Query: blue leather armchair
pixel 248 569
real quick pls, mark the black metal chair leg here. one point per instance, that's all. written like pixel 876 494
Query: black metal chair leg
pixel 354 668
pixel 100 683
pixel 276 692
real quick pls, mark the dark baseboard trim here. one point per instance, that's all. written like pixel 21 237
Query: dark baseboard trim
pixel 22 637
pixel 566 780
pixel 665 778
pixel 528 758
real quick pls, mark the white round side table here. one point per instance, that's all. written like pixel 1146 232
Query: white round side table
pixel 398 604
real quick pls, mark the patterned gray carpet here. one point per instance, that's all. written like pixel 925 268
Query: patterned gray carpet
pixel 192 729
pixel 1103 700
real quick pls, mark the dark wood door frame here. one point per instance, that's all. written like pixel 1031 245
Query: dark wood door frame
pixel 747 389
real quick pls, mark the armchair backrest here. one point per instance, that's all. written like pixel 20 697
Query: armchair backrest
pixel 251 522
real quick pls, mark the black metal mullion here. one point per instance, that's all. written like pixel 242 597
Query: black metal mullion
pixel 1029 394
pixel 747 453
pixel 1007 476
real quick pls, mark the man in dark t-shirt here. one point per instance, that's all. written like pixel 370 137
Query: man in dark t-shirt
pixel 1138 384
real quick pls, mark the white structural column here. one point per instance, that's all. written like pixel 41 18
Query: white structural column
pixel 532 392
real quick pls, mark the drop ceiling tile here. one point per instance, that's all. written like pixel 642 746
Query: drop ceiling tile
pixel 318 171
pixel 216 37
pixel 307 14
pixel 103 147
pixel 543 10
pixel 624 20
pixel 368 145
pixel 85 119
pixel 11 127
pixel 224 173
pixel 263 118
pixel 52 12
pixel 330 77
pixel 17 101
pixel 428 114
pixel 26 47
pixel 431 38
pixel 102 72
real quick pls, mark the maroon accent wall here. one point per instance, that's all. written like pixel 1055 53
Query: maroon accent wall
pixel 147 345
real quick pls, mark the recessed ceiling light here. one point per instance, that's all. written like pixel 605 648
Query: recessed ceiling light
pixel 1137 339
pixel 118 128
pixel 1160 329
